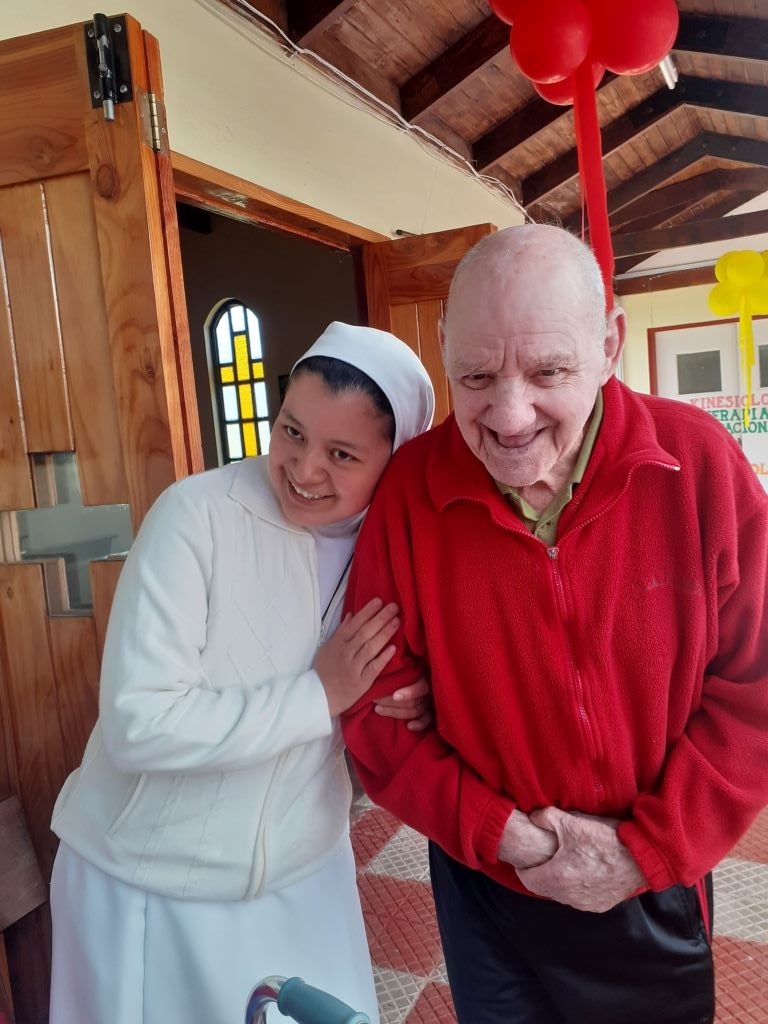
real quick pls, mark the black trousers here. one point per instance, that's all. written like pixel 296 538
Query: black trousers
pixel 515 959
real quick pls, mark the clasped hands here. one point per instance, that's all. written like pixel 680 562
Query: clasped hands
pixel 572 858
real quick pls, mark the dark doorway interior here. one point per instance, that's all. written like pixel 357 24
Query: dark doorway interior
pixel 294 286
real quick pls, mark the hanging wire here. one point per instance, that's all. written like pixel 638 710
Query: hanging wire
pixel 383 111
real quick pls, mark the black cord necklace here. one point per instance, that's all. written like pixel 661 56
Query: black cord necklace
pixel 337 588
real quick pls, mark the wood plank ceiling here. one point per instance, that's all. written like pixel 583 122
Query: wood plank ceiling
pixel 674 159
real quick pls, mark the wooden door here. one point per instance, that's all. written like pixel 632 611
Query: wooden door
pixel 95 375
pixel 407 283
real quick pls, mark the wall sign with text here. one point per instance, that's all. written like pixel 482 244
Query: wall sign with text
pixel 699 364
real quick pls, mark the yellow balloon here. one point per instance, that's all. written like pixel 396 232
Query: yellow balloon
pixel 725 299
pixel 721 267
pixel 745 268
pixel 764 254
pixel 757 297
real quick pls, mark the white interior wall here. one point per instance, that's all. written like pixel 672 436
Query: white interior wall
pixel 658 309
pixel 235 101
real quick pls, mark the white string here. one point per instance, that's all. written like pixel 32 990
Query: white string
pixel 391 116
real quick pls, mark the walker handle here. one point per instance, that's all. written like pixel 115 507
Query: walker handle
pixel 308 1005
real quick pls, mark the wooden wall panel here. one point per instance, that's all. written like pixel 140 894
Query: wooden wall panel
pixel 9 776
pixel 15 477
pixel 430 313
pixel 6 996
pixel 22 888
pixel 34 316
pixel 407 282
pixel 41 120
pixel 104 577
pixel 405 326
pixel 31 694
pixel 179 318
pixel 419 283
pixel 376 275
pixel 85 337
pixel 442 247
pixel 75 653
pixel 151 427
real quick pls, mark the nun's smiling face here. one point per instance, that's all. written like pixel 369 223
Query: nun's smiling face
pixel 326 453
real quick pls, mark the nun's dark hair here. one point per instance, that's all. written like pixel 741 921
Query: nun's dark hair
pixel 339 376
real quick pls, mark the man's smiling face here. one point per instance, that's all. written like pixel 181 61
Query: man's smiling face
pixel 525 359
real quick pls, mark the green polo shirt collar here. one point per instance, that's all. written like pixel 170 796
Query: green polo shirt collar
pixel 544 525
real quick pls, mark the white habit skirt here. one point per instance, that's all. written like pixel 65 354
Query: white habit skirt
pixel 124 956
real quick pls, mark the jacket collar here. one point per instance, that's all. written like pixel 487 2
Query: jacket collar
pixel 626 440
pixel 251 487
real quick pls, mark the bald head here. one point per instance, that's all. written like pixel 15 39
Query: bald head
pixel 546 252
pixel 527 345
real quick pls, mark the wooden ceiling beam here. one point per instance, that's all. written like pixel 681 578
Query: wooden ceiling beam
pixel 472 52
pixel 729 202
pixel 665 281
pixel 696 232
pixel 518 127
pixel 308 19
pixel 706 144
pixel 661 104
pixel 652 220
pixel 649 179
pixel 744 38
pixel 663 201
pixel 728 97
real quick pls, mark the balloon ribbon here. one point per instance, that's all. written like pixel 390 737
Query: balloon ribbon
pixel 747 351
pixel 590 149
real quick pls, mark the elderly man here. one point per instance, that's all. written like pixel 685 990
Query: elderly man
pixel 583 572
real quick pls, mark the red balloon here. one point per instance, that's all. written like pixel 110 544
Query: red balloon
pixel 561 93
pixel 505 10
pixel 633 36
pixel 549 41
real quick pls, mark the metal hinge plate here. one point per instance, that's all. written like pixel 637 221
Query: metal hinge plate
pixel 153 121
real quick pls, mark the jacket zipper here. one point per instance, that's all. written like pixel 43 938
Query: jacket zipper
pixel 554 556
pixel 581 710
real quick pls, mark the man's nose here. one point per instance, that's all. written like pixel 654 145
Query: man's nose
pixel 513 410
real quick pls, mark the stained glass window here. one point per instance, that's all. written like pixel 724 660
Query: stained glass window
pixel 241 391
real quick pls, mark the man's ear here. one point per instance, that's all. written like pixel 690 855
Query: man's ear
pixel 615 336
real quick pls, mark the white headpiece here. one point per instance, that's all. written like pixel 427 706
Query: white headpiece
pixel 391 364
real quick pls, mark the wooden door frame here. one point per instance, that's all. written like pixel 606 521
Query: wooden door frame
pixel 217 191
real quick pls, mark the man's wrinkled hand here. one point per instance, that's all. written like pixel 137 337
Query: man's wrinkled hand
pixel 592 869
pixel 412 704
pixel 525 845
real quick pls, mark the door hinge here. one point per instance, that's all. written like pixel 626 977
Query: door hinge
pixel 153 122
pixel 109 65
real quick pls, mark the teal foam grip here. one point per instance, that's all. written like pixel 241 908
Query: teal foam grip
pixel 308 1005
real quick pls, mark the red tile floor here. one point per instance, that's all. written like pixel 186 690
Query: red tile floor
pixel 405 947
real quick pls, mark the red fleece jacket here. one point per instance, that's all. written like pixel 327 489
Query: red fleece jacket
pixel 623 672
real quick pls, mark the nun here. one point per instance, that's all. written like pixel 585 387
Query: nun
pixel 205 836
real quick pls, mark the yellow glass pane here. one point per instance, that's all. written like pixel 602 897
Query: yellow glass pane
pixel 249 437
pixel 246 401
pixel 258 371
pixel 227 374
pixel 241 357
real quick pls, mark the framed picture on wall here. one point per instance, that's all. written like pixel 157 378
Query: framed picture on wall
pixel 700 364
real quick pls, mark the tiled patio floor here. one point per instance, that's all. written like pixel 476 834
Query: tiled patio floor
pixel 405 946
